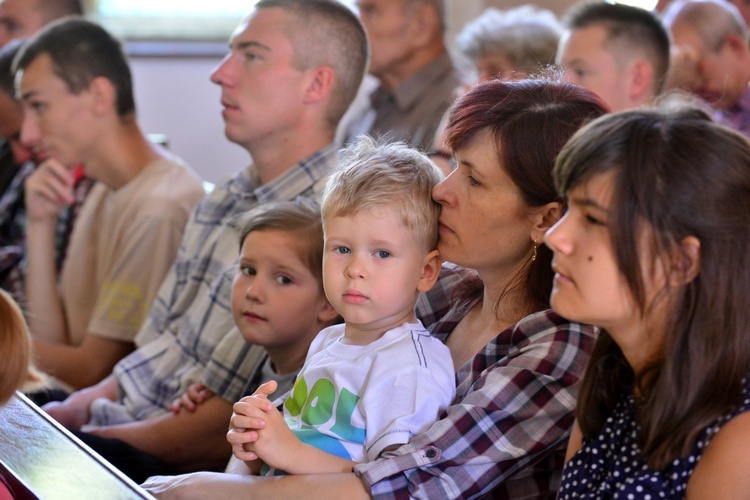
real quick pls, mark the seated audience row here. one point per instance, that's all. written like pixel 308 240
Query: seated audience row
pixel 560 352
pixel 632 256
pixel 513 273
pixel 288 484
pixel 293 70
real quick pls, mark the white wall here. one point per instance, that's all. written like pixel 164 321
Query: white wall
pixel 174 96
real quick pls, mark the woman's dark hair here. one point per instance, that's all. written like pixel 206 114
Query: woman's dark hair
pixel 530 120
pixel 676 174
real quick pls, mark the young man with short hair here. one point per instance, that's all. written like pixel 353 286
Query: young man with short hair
pixel 619 52
pixel 75 85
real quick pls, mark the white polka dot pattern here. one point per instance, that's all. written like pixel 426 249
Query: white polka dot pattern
pixel 612 466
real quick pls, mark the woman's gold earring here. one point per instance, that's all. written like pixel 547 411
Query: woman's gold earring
pixel 533 255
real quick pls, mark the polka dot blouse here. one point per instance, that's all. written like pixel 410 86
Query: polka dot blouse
pixel 611 465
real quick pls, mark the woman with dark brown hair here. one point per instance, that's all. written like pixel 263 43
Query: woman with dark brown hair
pixel 655 249
pixel 516 362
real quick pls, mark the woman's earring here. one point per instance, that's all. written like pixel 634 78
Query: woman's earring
pixel 533 255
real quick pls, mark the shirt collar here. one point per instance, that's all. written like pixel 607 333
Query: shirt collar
pixel 298 179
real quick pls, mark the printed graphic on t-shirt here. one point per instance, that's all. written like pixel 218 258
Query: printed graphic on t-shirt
pixel 319 413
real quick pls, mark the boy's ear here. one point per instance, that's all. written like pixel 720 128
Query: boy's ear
pixel 546 217
pixel 430 271
pixel 327 313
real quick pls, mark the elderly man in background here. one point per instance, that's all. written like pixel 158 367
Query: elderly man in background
pixel 416 76
pixel 711 57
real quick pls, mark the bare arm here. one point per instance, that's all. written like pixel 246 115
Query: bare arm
pixel 48 190
pixel 191 439
pixel 194 395
pixel 98 355
pixel 218 486
pixel 723 469
pixel 76 409
pixel 310 460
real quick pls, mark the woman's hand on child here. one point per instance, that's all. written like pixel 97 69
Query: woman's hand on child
pixel 194 395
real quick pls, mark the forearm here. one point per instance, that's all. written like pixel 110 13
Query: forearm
pixel 219 486
pixel 193 440
pixel 76 409
pixel 80 366
pixel 307 459
pixel 44 306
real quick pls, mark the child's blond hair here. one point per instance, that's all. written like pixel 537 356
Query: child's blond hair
pixel 374 174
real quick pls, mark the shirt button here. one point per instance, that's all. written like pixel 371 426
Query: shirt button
pixel 430 453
